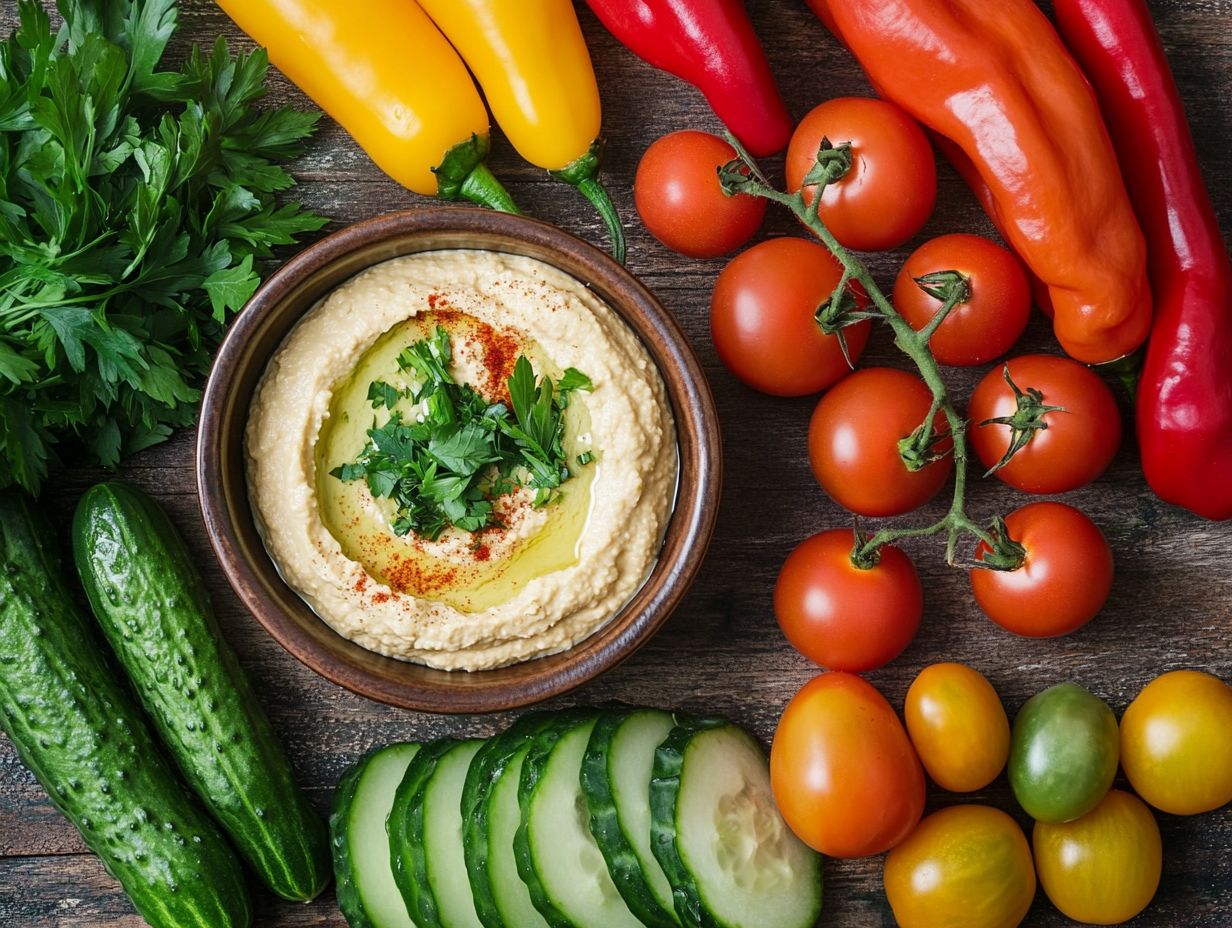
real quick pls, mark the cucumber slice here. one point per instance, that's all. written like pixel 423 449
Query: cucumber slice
pixel 557 856
pixel 425 836
pixel 616 774
pixel 731 859
pixel 490 817
pixel 367 893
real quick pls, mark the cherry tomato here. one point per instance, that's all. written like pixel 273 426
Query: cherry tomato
pixel 1063 753
pixel 1064 581
pixel 1077 444
pixel 964 867
pixel 844 773
pixel 1103 868
pixel 761 318
pixel 677 194
pixel 982 327
pixel 853 443
pixel 842 616
pixel 958 726
pixel 891 189
pixel 1176 742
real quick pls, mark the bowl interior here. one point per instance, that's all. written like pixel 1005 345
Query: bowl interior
pixel 279 305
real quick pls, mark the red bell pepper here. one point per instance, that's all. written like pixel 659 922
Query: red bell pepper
pixel 1185 393
pixel 712 45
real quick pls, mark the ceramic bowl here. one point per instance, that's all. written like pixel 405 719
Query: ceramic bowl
pixel 279 304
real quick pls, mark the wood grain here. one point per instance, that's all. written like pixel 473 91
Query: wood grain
pixel 722 652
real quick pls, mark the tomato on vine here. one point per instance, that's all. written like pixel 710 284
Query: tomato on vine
pixel 846 616
pixel 988 289
pixel 763 318
pixel 856 440
pixel 1063 581
pixel 890 189
pixel 1044 424
pixel 844 774
pixel 676 191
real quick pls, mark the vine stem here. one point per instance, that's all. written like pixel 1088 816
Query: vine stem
pixel 743 176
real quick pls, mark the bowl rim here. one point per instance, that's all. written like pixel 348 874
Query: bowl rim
pixel 690 524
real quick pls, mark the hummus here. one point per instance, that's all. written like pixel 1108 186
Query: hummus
pixel 543 576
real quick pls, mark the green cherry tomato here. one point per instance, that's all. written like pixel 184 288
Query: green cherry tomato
pixel 963 867
pixel 1063 753
pixel 958 726
pixel 1103 868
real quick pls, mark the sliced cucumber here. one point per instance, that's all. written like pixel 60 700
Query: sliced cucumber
pixel 367 893
pixel 557 856
pixel 731 859
pixel 425 836
pixel 616 774
pixel 490 817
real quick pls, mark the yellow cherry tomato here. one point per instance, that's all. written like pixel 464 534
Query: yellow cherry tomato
pixel 958 726
pixel 963 867
pixel 1176 742
pixel 1103 868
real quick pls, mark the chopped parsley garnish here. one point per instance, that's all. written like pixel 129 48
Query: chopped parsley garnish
pixel 460 452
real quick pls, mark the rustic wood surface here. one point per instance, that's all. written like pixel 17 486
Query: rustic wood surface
pixel 722 652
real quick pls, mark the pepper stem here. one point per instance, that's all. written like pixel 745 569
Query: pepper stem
pixel 463 175
pixel 742 176
pixel 583 173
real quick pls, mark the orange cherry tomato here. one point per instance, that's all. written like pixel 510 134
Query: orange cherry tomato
pixel 986 325
pixel 853 443
pixel 958 726
pixel 1176 742
pixel 891 189
pixel 1064 581
pixel 762 318
pixel 1103 868
pixel 844 773
pixel 964 867
pixel 677 194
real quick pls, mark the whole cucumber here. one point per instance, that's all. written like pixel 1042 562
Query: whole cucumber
pixel 153 608
pixel 76 728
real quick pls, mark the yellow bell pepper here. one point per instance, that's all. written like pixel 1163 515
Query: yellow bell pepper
pixel 389 77
pixel 530 58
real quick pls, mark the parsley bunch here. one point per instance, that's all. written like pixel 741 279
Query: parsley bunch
pixel 133 203
pixel 461 451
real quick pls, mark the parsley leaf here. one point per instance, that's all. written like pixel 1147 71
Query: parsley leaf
pixel 462 452
pixel 135 204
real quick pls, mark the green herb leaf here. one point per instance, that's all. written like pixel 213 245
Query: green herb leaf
pixel 573 379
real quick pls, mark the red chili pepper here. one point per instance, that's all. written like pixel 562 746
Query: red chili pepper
pixel 1185 393
pixel 712 45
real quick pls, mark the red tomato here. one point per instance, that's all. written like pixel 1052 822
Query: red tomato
pixel 844 773
pixel 1079 440
pixel 678 196
pixel 889 193
pixel 761 318
pixel 987 324
pixel 842 616
pixel 1064 581
pixel 853 443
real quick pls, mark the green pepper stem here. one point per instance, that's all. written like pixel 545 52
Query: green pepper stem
pixel 742 176
pixel 464 175
pixel 482 187
pixel 583 173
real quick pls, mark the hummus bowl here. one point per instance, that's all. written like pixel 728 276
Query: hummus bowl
pixel 271 415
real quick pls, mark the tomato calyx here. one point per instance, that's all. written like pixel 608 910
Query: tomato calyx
pixel 832 165
pixel 841 310
pixel 1029 416
pixel 1004 553
pixel 864 554
pixel 920 448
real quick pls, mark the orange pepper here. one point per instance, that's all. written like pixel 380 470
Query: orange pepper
pixel 389 78
pixel 995 80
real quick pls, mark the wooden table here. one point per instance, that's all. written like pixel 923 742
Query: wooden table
pixel 722 652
